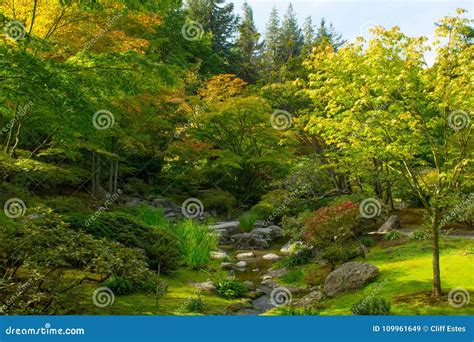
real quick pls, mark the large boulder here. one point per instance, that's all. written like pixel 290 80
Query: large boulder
pixel 350 276
pixel 224 230
pixel 249 241
pixel 268 233
pixel 232 226
pixel 392 223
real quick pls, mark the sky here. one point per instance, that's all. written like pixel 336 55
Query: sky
pixel 353 18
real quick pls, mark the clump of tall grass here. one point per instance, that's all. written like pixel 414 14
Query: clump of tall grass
pixel 195 242
pixel 247 222
pixel 153 216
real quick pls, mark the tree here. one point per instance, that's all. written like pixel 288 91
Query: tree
pixel 329 34
pixel 216 17
pixel 383 103
pixel 271 44
pixel 247 46
pixel 290 37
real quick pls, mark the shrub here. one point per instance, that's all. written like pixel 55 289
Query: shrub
pixel 293 226
pixel 329 225
pixel 62 204
pixel 230 289
pixel 218 200
pixel 247 222
pixel 160 247
pixel 263 210
pixel 302 256
pixel 120 286
pixel 420 235
pixel 392 235
pixel 371 306
pixel 195 305
pixel 367 241
pixel 337 253
pixel 195 243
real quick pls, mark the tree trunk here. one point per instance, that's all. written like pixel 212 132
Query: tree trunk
pixel 436 292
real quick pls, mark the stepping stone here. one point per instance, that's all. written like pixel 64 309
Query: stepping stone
pixel 271 256
pixel 241 256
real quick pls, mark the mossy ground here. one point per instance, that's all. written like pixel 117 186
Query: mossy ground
pixel 405 278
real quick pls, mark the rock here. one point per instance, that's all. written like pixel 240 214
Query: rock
pixel 205 286
pixel 270 232
pixel 133 202
pixel 350 276
pixel 232 226
pixel 166 204
pixel 226 265
pixel 241 256
pixel 271 257
pixel 392 223
pixel 260 224
pixel 277 273
pixel 249 285
pixel 291 247
pixel 310 299
pixel 249 241
pixel 218 255
pixel 262 303
pixel 224 236
pixel 241 264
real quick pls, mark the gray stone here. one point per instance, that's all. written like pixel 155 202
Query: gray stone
pixel 242 256
pixel 241 264
pixel 249 285
pixel 350 276
pixel 205 286
pixel 249 241
pixel 232 226
pixel 270 232
pixel 218 255
pixel 310 299
pixel 392 223
pixel 226 265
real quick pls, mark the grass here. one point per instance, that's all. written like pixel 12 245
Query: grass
pixel 405 279
pixel 247 222
pixel 196 243
pixel 174 302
